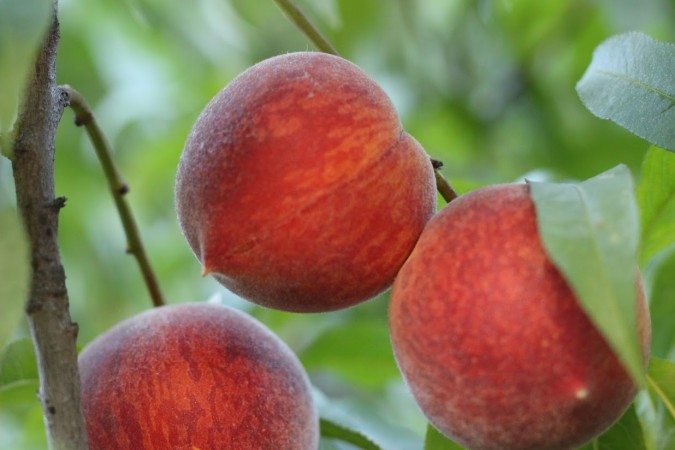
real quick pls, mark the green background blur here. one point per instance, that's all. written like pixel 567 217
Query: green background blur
pixel 486 86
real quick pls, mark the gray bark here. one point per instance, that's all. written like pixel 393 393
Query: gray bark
pixel 54 334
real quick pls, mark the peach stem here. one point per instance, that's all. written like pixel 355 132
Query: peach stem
pixel 444 188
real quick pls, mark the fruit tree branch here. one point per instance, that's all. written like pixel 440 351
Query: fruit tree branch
pixel 312 33
pixel 54 334
pixel 118 188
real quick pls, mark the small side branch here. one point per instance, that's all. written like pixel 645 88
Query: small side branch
pixel 118 188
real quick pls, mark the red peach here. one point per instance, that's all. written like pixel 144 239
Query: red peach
pixel 490 338
pixel 195 376
pixel 297 187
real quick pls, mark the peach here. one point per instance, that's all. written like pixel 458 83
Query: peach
pixel 490 338
pixel 298 188
pixel 195 376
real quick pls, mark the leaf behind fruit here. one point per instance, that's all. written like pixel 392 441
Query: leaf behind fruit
pixel 334 430
pixel 661 382
pixel 349 422
pixel 659 274
pixel 590 231
pixel 625 434
pixel 365 365
pixel 631 81
pixel 656 197
pixel 434 440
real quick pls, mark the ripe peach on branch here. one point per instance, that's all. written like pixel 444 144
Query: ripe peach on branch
pixel 298 189
pixel 491 339
pixel 195 376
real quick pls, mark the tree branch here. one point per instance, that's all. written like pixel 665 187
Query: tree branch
pixel 54 334
pixel 118 189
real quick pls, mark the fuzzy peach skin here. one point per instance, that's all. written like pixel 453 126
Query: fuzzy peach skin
pixel 490 338
pixel 297 187
pixel 195 376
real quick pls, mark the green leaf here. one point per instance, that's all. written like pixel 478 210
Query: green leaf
pixel 631 81
pixel 434 440
pixel 21 421
pixel 656 198
pixel 590 231
pixel 660 272
pixel 366 365
pixel 23 24
pixel 661 382
pixel 334 430
pixel 625 434
pixel 18 364
pixel 349 421
pixel 14 272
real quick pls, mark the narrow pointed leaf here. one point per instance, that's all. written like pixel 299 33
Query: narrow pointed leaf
pixel 656 197
pixel 631 81
pixel 590 231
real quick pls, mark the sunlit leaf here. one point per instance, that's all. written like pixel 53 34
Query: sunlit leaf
pixel 625 434
pixel 631 81
pixel 590 231
pixel 434 440
pixel 656 198
pixel 13 272
pixel 22 26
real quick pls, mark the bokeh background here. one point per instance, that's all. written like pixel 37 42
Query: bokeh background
pixel 487 86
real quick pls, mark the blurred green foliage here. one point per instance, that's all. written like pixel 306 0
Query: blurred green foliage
pixel 15 271
pixel 487 86
pixel 22 25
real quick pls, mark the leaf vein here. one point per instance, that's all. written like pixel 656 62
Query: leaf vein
pixel 641 84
